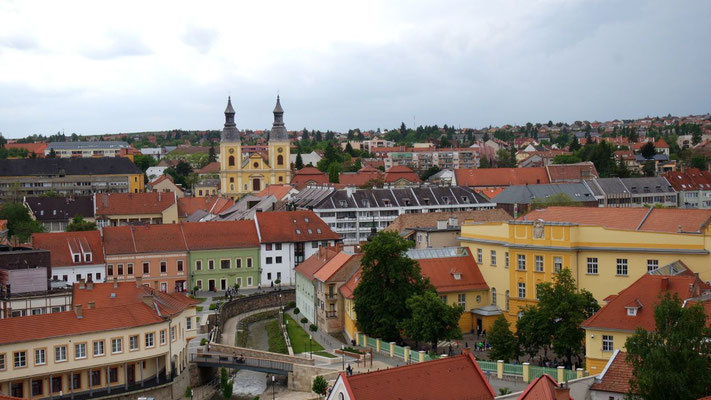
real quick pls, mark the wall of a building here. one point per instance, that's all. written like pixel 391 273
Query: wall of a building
pixel 230 276
pixel 154 278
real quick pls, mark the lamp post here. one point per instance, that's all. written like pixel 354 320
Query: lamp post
pixel 273 383
pixel 311 352
pixel 343 357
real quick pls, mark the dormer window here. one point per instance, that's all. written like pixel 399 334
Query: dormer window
pixel 386 202
pixel 306 220
pixel 318 230
pixel 87 257
pixel 298 232
pixel 632 311
pixel 310 232
pixel 633 307
pixel 426 200
pixel 457 276
pixel 77 258
pixel 343 203
pixel 407 202
pixel 366 203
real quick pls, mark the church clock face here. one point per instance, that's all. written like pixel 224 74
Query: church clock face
pixel 232 151
pixel 280 149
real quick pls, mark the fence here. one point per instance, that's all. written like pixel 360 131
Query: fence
pixel 514 370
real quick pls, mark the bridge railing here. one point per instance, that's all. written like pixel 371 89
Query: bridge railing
pixel 234 362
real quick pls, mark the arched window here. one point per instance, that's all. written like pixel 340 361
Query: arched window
pixel 493 296
pixel 280 160
pixel 507 300
pixel 231 161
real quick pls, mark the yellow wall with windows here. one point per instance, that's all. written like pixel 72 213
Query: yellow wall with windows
pixel 595 357
pixel 136 183
pixel 237 179
pixel 349 323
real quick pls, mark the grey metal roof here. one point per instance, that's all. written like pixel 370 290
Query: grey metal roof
pixel 672 269
pixel 311 196
pixel 443 252
pixel 400 197
pixel 60 208
pixel 602 186
pixel 661 157
pixel 68 166
pixel 87 145
pixel 526 194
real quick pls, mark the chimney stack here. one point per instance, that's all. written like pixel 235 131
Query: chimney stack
pixel 90 285
pixel 78 311
pixel 665 283
pixel 139 281
pixel 82 285
pixel 561 392
pixel 91 305
pixel 115 282
pixel 466 351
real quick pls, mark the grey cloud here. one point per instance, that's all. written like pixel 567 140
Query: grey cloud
pixel 118 44
pixel 202 39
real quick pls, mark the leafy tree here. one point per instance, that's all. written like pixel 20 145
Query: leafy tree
pixel 649 168
pixel 429 172
pixel 533 330
pixel 319 386
pixel 696 137
pixel 484 162
pixel 388 279
pixel 188 392
pixel 502 340
pixel 648 151
pixel 19 222
pixel 431 320
pixel 227 390
pixel 504 159
pixel 349 149
pixel 673 360
pixel 558 199
pixel 622 170
pixel 574 144
pixel 333 170
pixel 212 155
pixel 698 161
pixel 299 163
pixel 566 159
pixel 53 154
pixel 486 137
pixel 79 224
pixel 601 155
pixel 143 161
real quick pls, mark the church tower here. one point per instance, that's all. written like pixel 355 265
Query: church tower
pixel 230 154
pixel 279 149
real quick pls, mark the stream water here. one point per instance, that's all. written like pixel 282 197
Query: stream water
pixel 248 384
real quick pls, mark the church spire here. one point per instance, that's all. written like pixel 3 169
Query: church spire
pixel 278 133
pixel 230 132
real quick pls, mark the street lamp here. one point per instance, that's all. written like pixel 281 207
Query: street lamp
pixel 311 352
pixel 273 387
pixel 343 354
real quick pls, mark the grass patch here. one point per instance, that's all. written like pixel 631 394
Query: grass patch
pixel 214 306
pixel 324 354
pixel 299 337
pixel 199 308
pixel 242 334
pixel 200 299
pixel 277 344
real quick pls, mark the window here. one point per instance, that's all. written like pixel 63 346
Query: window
pixel 56 384
pixel 79 351
pixel 239 282
pixel 189 323
pixel 180 265
pixel 557 264
pixel 95 376
pixel 20 359
pixel 109 270
pixel 16 389
pixel 269 260
pixel 521 262
pixel 462 300
pixel 98 276
pixel 506 256
pixel 37 387
pixel 249 263
pixel 199 284
pixel 76 258
pixel 231 161
pixel 113 375
pixel 133 342
pixel 280 159
pixel 249 281
pixel 116 345
pixel 40 357
pixel 607 343
pixel 162 337
pixel 150 339
pixel 60 353
pixel 493 257
pixel 632 311
pixel 314 245
pixel 521 290
pixel 539 263
pixel 172 334
pixel 198 265
pixel 493 296
pixel 652 265
pixel 277 259
pixel 479 256
pixel 225 264
pixel 211 264
pixel 2 362
pixel 277 246
pixel 87 257
pixel 268 247
pixel 98 348
pixel 238 262
pixel 443 298
pixel 163 267
pixel 622 266
pixel 120 269
pixel 508 298
pixel 223 284
pixel 592 265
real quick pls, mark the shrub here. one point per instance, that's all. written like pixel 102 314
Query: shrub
pixel 320 385
pixel 296 311
pixel 304 320
pixel 313 327
pixel 203 342
pixel 214 306
pixel 189 392
pixel 291 305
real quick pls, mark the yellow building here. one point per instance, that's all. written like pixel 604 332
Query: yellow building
pixel 119 338
pixel 242 173
pixel 606 249
pixel 608 330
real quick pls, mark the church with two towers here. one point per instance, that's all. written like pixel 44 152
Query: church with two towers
pixel 250 172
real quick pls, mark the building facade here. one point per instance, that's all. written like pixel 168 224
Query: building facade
pixel 242 172
pixel 86 149
pixel 75 256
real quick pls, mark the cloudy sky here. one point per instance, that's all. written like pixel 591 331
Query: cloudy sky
pixel 105 67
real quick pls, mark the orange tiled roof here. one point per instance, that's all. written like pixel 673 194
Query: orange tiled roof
pixel 119 294
pixel 668 220
pixel 143 239
pixel 691 179
pixel 215 205
pixel 133 203
pixel 617 375
pixel 160 179
pixel 361 177
pixel 278 191
pixel 644 291
pixel 397 172
pixel 560 173
pixel 308 175
pixel 335 264
pixel 437 379
pixel 62 244
pixel 220 235
pixel 293 226
pixel 211 168
pixel 441 272
pixel 545 388
pixel 347 288
pixel 37 148
pixel 312 264
pixel 498 177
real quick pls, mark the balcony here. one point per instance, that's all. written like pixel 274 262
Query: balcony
pixel 331 314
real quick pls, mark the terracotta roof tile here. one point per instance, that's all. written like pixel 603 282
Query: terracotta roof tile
pixel 211 168
pixel 312 264
pixel 617 375
pixel 214 205
pixel 429 220
pixel 347 288
pixel 143 239
pixel 133 203
pixel 689 180
pixel 309 175
pixel 401 172
pixel 60 243
pixel 498 177
pixel 565 173
pixel 442 273
pixel 437 379
pixel 293 226
pixel 545 388
pixel 278 191
pixel 361 177
pixel 332 268
pixel 220 235
pixel 37 148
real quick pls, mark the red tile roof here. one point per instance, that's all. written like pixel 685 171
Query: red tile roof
pixel 211 168
pixel 133 203
pixel 335 264
pixel 220 235
pixel 212 204
pixel 361 177
pixel 564 173
pixel 616 376
pixel 293 226
pixel 347 288
pixel 401 172
pixel 691 179
pixel 143 239
pixel 438 379
pixel 308 175
pixel 312 264
pixel 37 148
pixel 125 310
pixel 161 179
pixel 278 191
pixel 545 388
pixel 668 220
pixel 645 291
pixel 62 244
pixel 498 177
pixel 442 271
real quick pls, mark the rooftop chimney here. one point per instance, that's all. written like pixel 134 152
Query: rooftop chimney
pixel 78 311
pixel 91 305
pixel 665 283
pixel 562 392
pixel 115 282
pixel 442 224
pixel 90 284
pixel 82 285
pixel 453 221
pixel 139 281
pixel 466 351
pixel 148 300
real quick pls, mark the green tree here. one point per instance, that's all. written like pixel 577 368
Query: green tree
pixel 388 279
pixel 333 170
pixel 502 340
pixel 533 330
pixel 53 154
pixel 484 163
pixel 566 159
pixel 79 224
pixel 319 386
pixel 622 170
pixel 188 392
pixel 19 223
pixel 698 161
pixel 299 163
pixel 672 360
pixel 212 155
pixel 648 151
pixel 143 161
pixel 649 168
pixel 504 158
pixel 429 172
pixel 574 144
pixel 431 320
pixel 696 137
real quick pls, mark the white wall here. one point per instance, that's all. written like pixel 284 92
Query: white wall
pixel 270 272
pixel 73 272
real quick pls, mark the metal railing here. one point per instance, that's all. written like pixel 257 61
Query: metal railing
pixel 242 362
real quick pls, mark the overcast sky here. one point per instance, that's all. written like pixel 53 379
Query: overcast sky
pixel 107 67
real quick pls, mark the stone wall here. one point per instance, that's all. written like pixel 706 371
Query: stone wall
pixel 303 376
pixel 252 353
pixel 251 303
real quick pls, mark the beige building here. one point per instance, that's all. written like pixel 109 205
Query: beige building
pixel 118 339
pixel 166 184
pixel 117 209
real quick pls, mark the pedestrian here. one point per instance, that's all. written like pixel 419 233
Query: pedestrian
pixel 450 349
pixel 466 345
